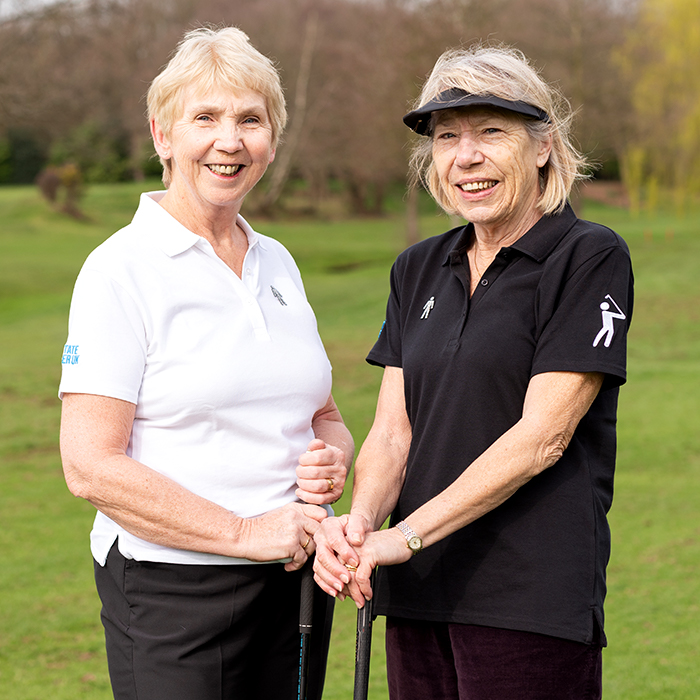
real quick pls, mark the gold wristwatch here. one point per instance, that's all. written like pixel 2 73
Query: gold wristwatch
pixel 413 541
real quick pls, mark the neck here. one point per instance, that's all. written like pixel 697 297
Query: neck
pixel 493 238
pixel 216 224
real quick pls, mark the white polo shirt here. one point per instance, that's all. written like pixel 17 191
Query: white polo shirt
pixel 226 373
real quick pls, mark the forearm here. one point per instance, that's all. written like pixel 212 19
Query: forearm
pixel 554 406
pixel 157 509
pixel 379 476
pixel 328 426
pixel 380 469
pixel 95 432
pixel 489 481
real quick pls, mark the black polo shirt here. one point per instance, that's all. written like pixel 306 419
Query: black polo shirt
pixel 558 299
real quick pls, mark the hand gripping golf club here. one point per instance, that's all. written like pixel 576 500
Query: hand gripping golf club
pixel 363 646
pixel 306 613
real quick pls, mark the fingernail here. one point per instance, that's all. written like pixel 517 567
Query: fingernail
pixel 345 578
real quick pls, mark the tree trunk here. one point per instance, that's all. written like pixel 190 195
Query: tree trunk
pixel 283 166
pixel 412 225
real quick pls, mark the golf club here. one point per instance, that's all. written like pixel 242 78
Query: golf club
pixel 363 647
pixel 306 612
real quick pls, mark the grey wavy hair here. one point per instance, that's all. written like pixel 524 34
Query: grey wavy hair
pixel 504 72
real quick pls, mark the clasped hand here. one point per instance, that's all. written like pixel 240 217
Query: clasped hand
pixel 321 474
pixel 348 550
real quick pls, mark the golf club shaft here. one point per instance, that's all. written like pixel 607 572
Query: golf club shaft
pixel 306 610
pixel 363 647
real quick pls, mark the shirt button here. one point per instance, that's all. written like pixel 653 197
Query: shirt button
pixel 484 283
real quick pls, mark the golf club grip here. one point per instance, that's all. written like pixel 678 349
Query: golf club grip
pixel 363 647
pixel 306 602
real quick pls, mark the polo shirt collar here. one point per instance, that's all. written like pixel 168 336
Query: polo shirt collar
pixel 545 235
pixel 537 243
pixel 169 234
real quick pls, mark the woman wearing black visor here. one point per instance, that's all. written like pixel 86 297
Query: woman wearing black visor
pixel 493 446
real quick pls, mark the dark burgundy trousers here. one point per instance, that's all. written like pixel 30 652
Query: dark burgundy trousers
pixel 441 661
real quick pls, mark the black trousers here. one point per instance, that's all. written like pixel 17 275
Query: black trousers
pixel 199 632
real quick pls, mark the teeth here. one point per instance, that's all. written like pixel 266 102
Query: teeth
pixel 476 186
pixel 225 169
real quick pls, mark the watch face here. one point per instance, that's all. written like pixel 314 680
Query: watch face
pixel 415 544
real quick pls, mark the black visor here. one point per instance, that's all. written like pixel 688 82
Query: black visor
pixel 419 119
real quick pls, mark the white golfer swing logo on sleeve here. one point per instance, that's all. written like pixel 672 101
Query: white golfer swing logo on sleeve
pixel 608 329
pixel 428 307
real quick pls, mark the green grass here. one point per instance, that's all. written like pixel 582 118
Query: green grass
pixel 50 636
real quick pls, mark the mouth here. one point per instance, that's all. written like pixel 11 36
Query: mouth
pixel 225 170
pixel 477 186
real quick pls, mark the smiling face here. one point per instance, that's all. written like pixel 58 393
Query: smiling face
pixel 219 149
pixel 488 165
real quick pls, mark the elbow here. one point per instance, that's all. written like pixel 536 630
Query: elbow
pixel 551 450
pixel 78 483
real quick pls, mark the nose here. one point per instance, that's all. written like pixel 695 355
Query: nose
pixel 228 138
pixel 468 151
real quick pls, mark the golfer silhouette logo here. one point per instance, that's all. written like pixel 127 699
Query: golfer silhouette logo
pixel 608 329
pixel 428 307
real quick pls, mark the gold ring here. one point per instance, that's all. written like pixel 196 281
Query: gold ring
pixel 330 484
pixel 350 568
pixel 306 544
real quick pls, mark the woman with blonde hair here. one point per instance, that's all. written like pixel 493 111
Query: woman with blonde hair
pixel 493 445
pixel 197 409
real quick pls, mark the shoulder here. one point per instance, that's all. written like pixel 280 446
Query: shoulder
pixel 587 243
pixel 433 250
pixel 115 251
pixel 589 237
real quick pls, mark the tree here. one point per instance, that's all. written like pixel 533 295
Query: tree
pixel 660 59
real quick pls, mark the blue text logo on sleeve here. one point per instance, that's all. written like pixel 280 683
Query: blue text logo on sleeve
pixel 70 355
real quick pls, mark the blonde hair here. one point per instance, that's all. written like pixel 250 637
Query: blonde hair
pixel 211 58
pixel 504 72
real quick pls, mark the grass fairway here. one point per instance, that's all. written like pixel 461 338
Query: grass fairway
pixel 50 637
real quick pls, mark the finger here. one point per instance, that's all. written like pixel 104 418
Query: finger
pixel 316 444
pixel 298 560
pixel 356 529
pixel 316 472
pixel 362 579
pixel 337 550
pixel 315 513
pixel 328 590
pixel 339 586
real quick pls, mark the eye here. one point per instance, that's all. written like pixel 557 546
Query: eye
pixel 444 135
pixel 251 120
pixel 203 118
pixel 492 130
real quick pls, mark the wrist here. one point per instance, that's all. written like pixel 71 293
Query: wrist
pixel 413 541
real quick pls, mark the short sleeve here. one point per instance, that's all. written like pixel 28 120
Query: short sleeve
pixel 105 353
pixel 583 326
pixel 387 349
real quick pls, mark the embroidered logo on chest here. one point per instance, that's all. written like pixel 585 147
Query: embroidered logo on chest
pixel 428 307
pixel 278 296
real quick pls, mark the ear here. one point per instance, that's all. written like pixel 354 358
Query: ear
pixel 272 156
pixel 160 142
pixel 544 151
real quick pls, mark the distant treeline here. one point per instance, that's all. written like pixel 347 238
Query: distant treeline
pixel 73 75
